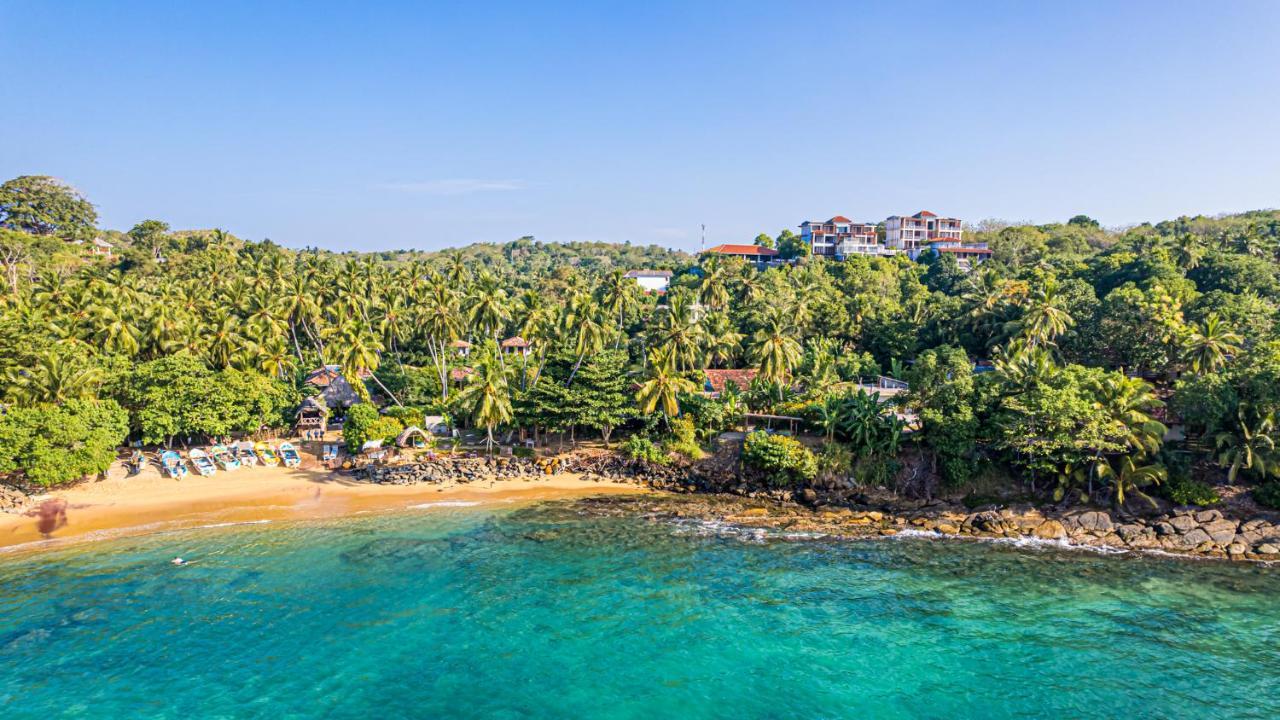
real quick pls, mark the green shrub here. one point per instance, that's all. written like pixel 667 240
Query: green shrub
pixel 786 460
pixel 407 415
pixel 1268 495
pixel 1185 491
pixel 684 439
pixel 835 460
pixel 640 447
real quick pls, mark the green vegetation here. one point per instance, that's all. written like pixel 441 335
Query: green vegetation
pixel 1089 333
pixel 784 460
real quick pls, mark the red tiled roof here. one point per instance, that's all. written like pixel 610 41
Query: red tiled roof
pixel 515 342
pixel 974 250
pixel 924 214
pixel 839 219
pixel 460 344
pixel 322 377
pixel 460 374
pixel 742 250
pixel 719 379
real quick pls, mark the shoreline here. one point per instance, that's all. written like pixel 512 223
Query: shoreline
pixel 149 503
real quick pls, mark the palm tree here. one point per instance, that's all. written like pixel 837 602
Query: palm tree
pixel 713 291
pixel 487 394
pixel 486 306
pixel 618 297
pixel 1128 476
pixel 776 351
pixel 678 332
pixel 55 379
pixel 1044 318
pixel 1208 346
pixel 722 340
pixel 1130 402
pixel 662 390
pixel 588 332
pixel 1250 449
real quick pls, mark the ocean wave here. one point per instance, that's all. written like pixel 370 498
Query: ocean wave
pixel 444 503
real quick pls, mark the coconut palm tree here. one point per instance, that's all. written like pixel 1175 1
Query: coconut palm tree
pixel 713 291
pixel 618 297
pixel 1044 318
pixel 1130 402
pixel 678 331
pixel 661 391
pixel 722 341
pixel 54 378
pixel 1126 474
pixel 1251 448
pixel 487 395
pixel 486 306
pixel 1208 346
pixel 776 350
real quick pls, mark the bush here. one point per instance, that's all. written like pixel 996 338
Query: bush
pixel 50 445
pixel 786 460
pixel 1185 491
pixel 407 415
pixel 684 439
pixel 639 447
pixel 355 430
pixel 835 461
pixel 1268 495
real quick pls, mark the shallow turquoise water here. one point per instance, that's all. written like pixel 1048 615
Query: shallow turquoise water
pixel 540 613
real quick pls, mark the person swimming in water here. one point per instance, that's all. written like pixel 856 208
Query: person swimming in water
pixel 178 561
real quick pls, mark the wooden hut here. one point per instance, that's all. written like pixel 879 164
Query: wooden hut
pixel 333 385
pixel 516 346
pixel 313 414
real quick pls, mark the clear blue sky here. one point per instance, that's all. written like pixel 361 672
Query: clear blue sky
pixel 435 124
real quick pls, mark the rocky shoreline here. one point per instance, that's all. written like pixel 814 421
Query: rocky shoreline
pixel 1187 532
pixel 723 496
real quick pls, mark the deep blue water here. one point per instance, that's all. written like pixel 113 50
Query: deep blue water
pixel 541 613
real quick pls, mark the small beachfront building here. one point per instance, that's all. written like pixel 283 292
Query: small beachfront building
pixel 334 388
pixel 461 347
pixel 715 382
pixel 312 415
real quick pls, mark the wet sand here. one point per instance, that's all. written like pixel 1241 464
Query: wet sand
pixel 149 502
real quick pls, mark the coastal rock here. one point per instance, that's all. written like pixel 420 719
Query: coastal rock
pixel 1183 523
pixel 1268 549
pixel 1099 521
pixel 1130 532
pixel 1221 531
pixel 1164 528
pixel 1196 538
pixel 947 528
pixel 1050 530
pixel 1237 549
pixel 1208 516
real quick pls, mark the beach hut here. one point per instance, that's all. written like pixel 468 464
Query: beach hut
pixel 461 347
pixel 244 453
pixel 516 346
pixel 413 436
pixel 223 456
pixel 201 461
pixel 312 415
pixel 173 464
pixel 290 455
pixel 266 454
pixel 335 391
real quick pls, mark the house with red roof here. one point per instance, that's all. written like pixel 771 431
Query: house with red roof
pixel 717 381
pixel 841 237
pixel 761 256
pixel 910 233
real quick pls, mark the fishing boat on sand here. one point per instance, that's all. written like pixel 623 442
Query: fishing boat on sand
pixel 244 453
pixel 223 456
pixel 266 454
pixel 290 455
pixel 201 461
pixel 173 464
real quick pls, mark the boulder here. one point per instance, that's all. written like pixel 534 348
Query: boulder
pixel 1164 528
pixel 1182 523
pixel 1223 532
pixel 1050 530
pixel 1208 516
pixel 1196 538
pixel 946 528
pixel 1269 549
pixel 1098 521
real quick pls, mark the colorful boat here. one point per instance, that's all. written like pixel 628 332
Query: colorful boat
pixel 201 461
pixel 173 464
pixel 290 455
pixel 244 453
pixel 223 456
pixel 266 454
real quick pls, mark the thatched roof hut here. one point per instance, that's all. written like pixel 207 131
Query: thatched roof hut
pixel 413 436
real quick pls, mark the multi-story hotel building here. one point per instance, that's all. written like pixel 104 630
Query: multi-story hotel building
pixel 910 234
pixel 841 237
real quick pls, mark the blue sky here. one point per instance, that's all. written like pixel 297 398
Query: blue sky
pixel 439 124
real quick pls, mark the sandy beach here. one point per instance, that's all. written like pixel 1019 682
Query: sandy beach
pixel 149 502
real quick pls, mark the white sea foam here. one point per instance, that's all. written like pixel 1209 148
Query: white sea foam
pixel 444 503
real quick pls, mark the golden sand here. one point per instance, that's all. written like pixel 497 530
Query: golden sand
pixel 149 502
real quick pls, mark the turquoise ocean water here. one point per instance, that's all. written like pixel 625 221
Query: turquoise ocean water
pixel 542 613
